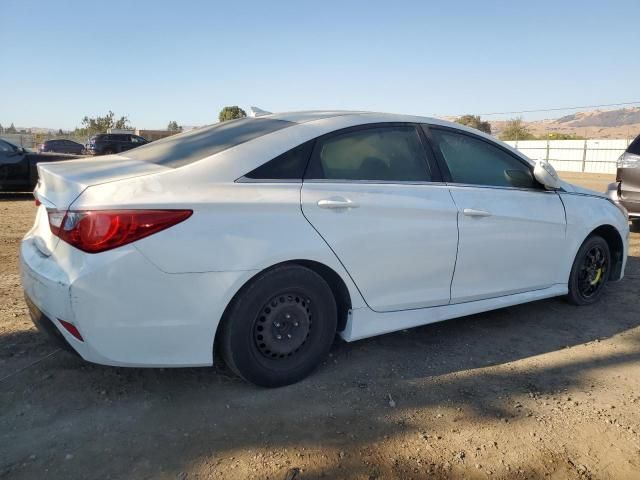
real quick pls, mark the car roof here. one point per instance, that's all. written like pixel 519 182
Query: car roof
pixel 305 116
pixel 356 117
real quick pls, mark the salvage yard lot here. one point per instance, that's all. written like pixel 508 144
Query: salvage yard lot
pixel 539 390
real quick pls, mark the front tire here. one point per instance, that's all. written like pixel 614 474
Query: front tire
pixel 590 271
pixel 279 327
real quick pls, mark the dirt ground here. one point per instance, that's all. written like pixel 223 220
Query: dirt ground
pixel 544 390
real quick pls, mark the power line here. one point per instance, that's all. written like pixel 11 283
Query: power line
pixel 558 109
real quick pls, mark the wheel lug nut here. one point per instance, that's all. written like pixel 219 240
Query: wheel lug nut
pixel 279 337
pixel 288 335
pixel 295 324
pixel 276 324
pixel 287 316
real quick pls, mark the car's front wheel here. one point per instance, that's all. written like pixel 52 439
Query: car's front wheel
pixel 590 271
pixel 279 327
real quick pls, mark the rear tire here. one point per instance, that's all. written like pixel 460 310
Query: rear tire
pixel 279 327
pixel 590 271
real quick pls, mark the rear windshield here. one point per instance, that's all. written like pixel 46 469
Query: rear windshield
pixel 634 147
pixel 185 148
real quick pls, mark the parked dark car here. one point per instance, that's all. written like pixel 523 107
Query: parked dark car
pixel 61 146
pixel 626 190
pixel 18 172
pixel 108 143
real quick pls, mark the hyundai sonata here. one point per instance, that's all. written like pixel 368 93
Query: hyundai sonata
pixel 261 238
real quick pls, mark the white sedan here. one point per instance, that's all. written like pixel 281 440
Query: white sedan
pixel 261 238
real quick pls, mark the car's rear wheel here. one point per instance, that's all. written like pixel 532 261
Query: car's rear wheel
pixel 279 328
pixel 590 271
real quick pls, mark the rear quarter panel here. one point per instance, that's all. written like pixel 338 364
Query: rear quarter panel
pixel 235 226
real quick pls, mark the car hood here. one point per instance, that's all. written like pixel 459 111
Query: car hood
pixel 572 188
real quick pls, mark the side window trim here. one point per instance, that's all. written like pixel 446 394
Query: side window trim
pixel 446 174
pixel 429 158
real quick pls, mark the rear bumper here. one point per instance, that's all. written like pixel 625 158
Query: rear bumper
pixel 633 208
pixel 47 326
pixel 128 312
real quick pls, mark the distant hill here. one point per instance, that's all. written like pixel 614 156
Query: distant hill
pixel 602 118
pixel 621 123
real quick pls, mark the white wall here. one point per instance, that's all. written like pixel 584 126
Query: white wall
pixel 591 156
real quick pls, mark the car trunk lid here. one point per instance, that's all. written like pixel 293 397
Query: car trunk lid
pixel 61 183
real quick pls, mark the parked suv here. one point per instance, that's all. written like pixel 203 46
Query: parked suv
pixel 108 143
pixel 626 190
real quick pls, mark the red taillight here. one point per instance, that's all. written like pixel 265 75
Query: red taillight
pixel 72 329
pixel 94 231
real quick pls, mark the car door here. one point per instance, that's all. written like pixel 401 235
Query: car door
pixel 67 146
pixel 14 166
pixel 512 230
pixel 377 200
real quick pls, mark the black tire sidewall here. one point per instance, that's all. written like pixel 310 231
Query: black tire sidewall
pixel 239 347
pixel 574 290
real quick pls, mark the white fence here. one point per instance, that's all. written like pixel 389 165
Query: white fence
pixel 591 156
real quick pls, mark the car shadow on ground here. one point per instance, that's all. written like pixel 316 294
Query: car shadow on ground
pixel 469 364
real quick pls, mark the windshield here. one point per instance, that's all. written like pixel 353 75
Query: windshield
pixel 185 148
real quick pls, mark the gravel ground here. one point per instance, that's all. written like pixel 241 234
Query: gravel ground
pixel 544 390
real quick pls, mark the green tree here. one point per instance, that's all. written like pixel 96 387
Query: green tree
pixel 12 129
pixel 1 129
pixel 516 129
pixel 92 126
pixel 60 132
pixel 231 113
pixel 474 121
pixel 174 127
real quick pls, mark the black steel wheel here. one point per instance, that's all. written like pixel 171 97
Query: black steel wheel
pixel 590 271
pixel 279 327
pixel 283 325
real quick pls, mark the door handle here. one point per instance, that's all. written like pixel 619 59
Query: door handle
pixel 472 212
pixel 334 203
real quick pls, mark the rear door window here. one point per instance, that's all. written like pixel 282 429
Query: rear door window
pixel 386 154
pixel 188 147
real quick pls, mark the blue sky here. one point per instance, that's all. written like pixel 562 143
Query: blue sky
pixel 157 61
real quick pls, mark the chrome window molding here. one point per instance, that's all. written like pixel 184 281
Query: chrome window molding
pixel 372 182
pixel 267 180
pixel 501 187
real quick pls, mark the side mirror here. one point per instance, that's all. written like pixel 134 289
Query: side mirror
pixel 546 175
